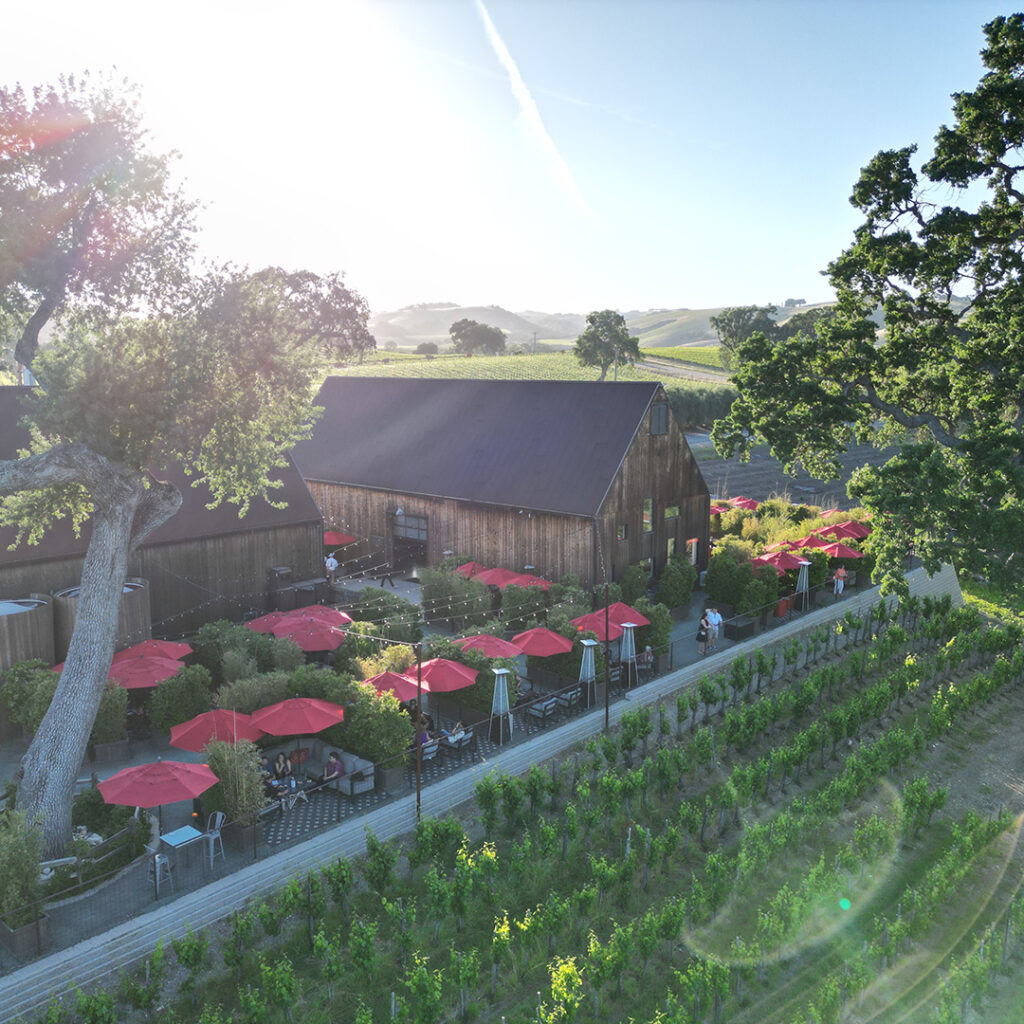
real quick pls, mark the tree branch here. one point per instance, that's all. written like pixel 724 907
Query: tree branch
pixel 159 503
pixel 62 464
pixel 932 422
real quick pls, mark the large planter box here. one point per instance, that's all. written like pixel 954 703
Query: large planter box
pixel 680 611
pixel 105 752
pixel 29 940
pixel 244 838
pixel 738 629
pixel 389 780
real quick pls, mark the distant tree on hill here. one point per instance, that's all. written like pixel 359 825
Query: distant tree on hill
pixel 790 303
pixel 606 340
pixel 469 337
pixel 427 348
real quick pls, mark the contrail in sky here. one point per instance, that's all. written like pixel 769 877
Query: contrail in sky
pixel 530 113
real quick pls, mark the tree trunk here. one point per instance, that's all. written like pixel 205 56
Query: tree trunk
pixel 124 513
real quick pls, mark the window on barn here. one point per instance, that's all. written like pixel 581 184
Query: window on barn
pixel 648 515
pixel 622 532
pixel 670 547
pixel 671 511
pixel 659 418
pixel 411 527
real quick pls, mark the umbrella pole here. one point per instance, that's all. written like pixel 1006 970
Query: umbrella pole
pixel 419 726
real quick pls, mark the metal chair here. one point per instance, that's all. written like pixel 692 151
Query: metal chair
pixel 160 871
pixel 212 836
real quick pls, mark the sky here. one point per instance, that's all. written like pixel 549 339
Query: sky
pixel 550 155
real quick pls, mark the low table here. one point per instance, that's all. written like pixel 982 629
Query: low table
pixel 181 838
pixel 300 791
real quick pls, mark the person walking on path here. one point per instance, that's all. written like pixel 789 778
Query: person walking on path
pixel 714 624
pixel 703 628
pixel 839 582
pixel 387 574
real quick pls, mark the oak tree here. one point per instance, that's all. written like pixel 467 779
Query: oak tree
pixel 469 336
pixel 941 254
pixel 606 340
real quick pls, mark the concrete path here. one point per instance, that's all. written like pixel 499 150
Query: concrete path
pixel 27 990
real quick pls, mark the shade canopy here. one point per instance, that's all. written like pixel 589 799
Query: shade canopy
pixel 220 724
pixel 310 634
pixel 811 541
pixel 621 613
pixel 499 577
pixel 265 623
pixel 161 648
pixel 470 569
pixel 841 551
pixel 783 560
pixel 492 646
pixel 319 612
pixel 529 580
pixel 765 562
pixel 160 782
pixel 717 510
pixel 298 715
pixel 831 512
pixel 337 539
pixel 403 687
pixel 856 529
pixel 594 622
pixel 444 675
pixel 836 530
pixel 143 672
pixel 542 642
pixel 740 502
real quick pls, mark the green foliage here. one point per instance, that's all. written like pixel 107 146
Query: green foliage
pixel 379 864
pixel 98 1007
pixel 180 698
pixel 393 617
pixel 109 724
pixel 192 951
pixel 255 692
pixel 21 850
pixel 943 381
pixel 447 596
pixel 606 340
pixel 469 337
pixel 521 607
pixel 736 324
pixel 28 688
pixel 93 813
pixel 239 793
pixel 634 584
pixel 675 587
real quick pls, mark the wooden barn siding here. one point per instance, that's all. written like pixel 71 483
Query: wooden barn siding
pixel 660 467
pixel 493 535
pixel 192 582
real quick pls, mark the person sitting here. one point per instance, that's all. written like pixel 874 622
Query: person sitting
pixel 282 767
pixel 458 731
pixel 334 769
pixel 423 738
pixel 270 784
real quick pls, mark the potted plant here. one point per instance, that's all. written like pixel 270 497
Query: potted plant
pixel 23 926
pixel 180 698
pixel 240 792
pixel 675 588
pixel 377 729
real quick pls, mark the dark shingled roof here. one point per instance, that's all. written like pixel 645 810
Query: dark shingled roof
pixel 538 444
pixel 193 520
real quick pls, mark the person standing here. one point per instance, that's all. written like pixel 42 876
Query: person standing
pixel 702 633
pixel 714 625
pixel 839 582
pixel 331 565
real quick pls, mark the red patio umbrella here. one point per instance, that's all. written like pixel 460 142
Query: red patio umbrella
pixel 265 623
pixel 470 569
pixel 444 675
pixel 320 612
pixel 783 560
pixel 839 531
pixel 830 512
pixel 810 541
pixel 856 529
pixel 764 561
pixel 499 578
pixel 309 634
pixel 220 724
pixel 161 648
pixel 401 686
pixel 298 715
pixel 841 551
pixel 717 510
pixel 594 622
pixel 143 672
pixel 492 646
pixel 542 643
pixel 740 502
pixel 530 580
pixel 160 782
pixel 620 613
pixel 337 539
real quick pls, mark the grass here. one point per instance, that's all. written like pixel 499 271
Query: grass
pixel 535 366
pixel 1007 606
pixel 700 355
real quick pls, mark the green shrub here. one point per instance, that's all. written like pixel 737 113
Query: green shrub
pixel 180 698
pixel 93 813
pixel 249 695
pixel 659 633
pixel 28 688
pixel 21 850
pixel 678 578
pixel 521 607
pixel 393 617
pixel 110 723
pixel 239 793
pixel 634 583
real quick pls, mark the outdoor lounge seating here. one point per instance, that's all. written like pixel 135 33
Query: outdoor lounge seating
pixel 455 745
pixel 358 777
pixel 568 701
pixel 542 710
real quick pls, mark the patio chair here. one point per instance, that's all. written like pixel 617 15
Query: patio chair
pixel 568 701
pixel 540 711
pixel 160 871
pixel 212 836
